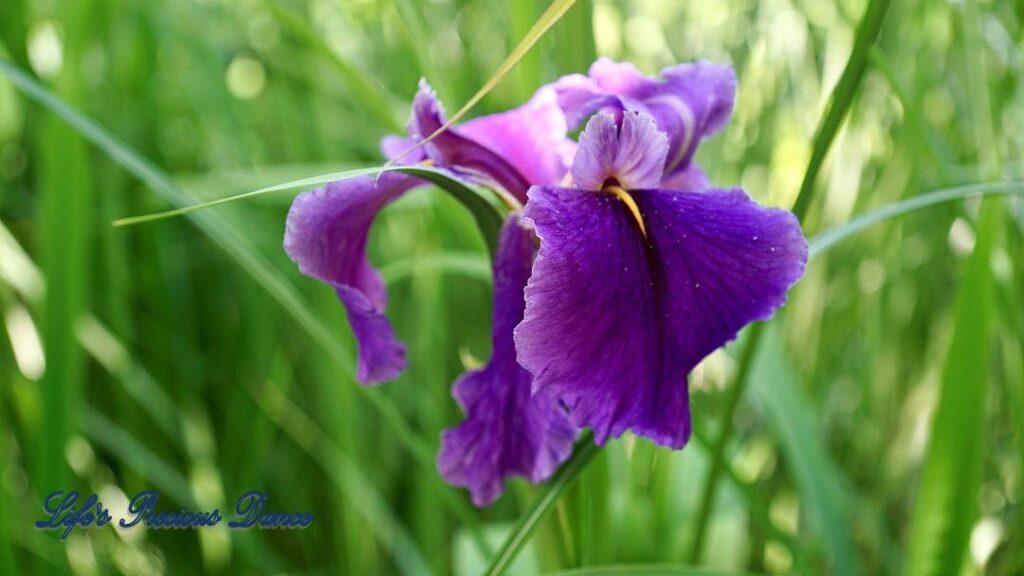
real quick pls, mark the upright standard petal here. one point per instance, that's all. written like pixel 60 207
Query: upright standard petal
pixel 616 317
pixel 514 149
pixel 691 101
pixel 508 431
pixel 694 102
pixel 630 154
pixel 326 235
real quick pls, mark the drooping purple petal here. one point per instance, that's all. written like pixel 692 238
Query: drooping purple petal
pixel 326 235
pixel 513 149
pixel 691 101
pixel 615 320
pixel 507 431
pixel 631 153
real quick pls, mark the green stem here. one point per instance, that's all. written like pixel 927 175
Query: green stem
pixel 839 105
pixel 841 99
pixel 584 453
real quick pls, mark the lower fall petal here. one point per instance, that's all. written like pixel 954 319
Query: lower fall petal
pixel 326 235
pixel 616 319
pixel 508 430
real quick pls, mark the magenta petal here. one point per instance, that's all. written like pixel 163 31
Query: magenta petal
pixel 532 138
pixel 507 430
pixel 326 235
pixel 621 78
pixel 632 153
pixel 514 149
pixel 615 321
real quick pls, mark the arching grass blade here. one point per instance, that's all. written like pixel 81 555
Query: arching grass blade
pixel 826 240
pixel 555 11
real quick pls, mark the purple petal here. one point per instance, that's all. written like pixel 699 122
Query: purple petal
pixel 507 430
pixel 393 146
pixel 607 81
pixel 690 103
pixel 615 321
pixel 622 78
pixel 532 138
pixel 693 103
pixel 579 96
pixel 632 154
pixel 691 179
pixel 326 235
pixel 514 149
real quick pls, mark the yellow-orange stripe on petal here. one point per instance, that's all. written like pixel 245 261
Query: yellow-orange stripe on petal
pixel 621 193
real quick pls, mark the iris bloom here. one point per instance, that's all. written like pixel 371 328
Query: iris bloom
pixel 642 270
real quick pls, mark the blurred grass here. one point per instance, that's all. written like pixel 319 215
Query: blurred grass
pixel 175 325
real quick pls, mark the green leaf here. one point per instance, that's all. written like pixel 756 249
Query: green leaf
pixel 946 505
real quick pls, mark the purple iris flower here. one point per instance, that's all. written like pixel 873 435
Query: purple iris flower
pixel 643 269
pixel 328 228
pixel 634 283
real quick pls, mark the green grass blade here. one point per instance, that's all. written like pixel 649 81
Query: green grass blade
pixel 645 570
pixel 555 11
pixel 839 104
pixel 521 16
pixel 946 504
pixel 574 40
pixel 419 43
pixel 365 93
pixel 234 244
pixel 66 199
pixel 346 475
pixel 470 265
pixel 486 213
pixel 841 99
pixel 826 240
pixel 584 452
pixel 756 507
pixel 160 473
pixel 824 499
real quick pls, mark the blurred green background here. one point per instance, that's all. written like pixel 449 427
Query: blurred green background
pixel 881 429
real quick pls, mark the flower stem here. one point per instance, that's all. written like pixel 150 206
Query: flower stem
pixel 584 453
